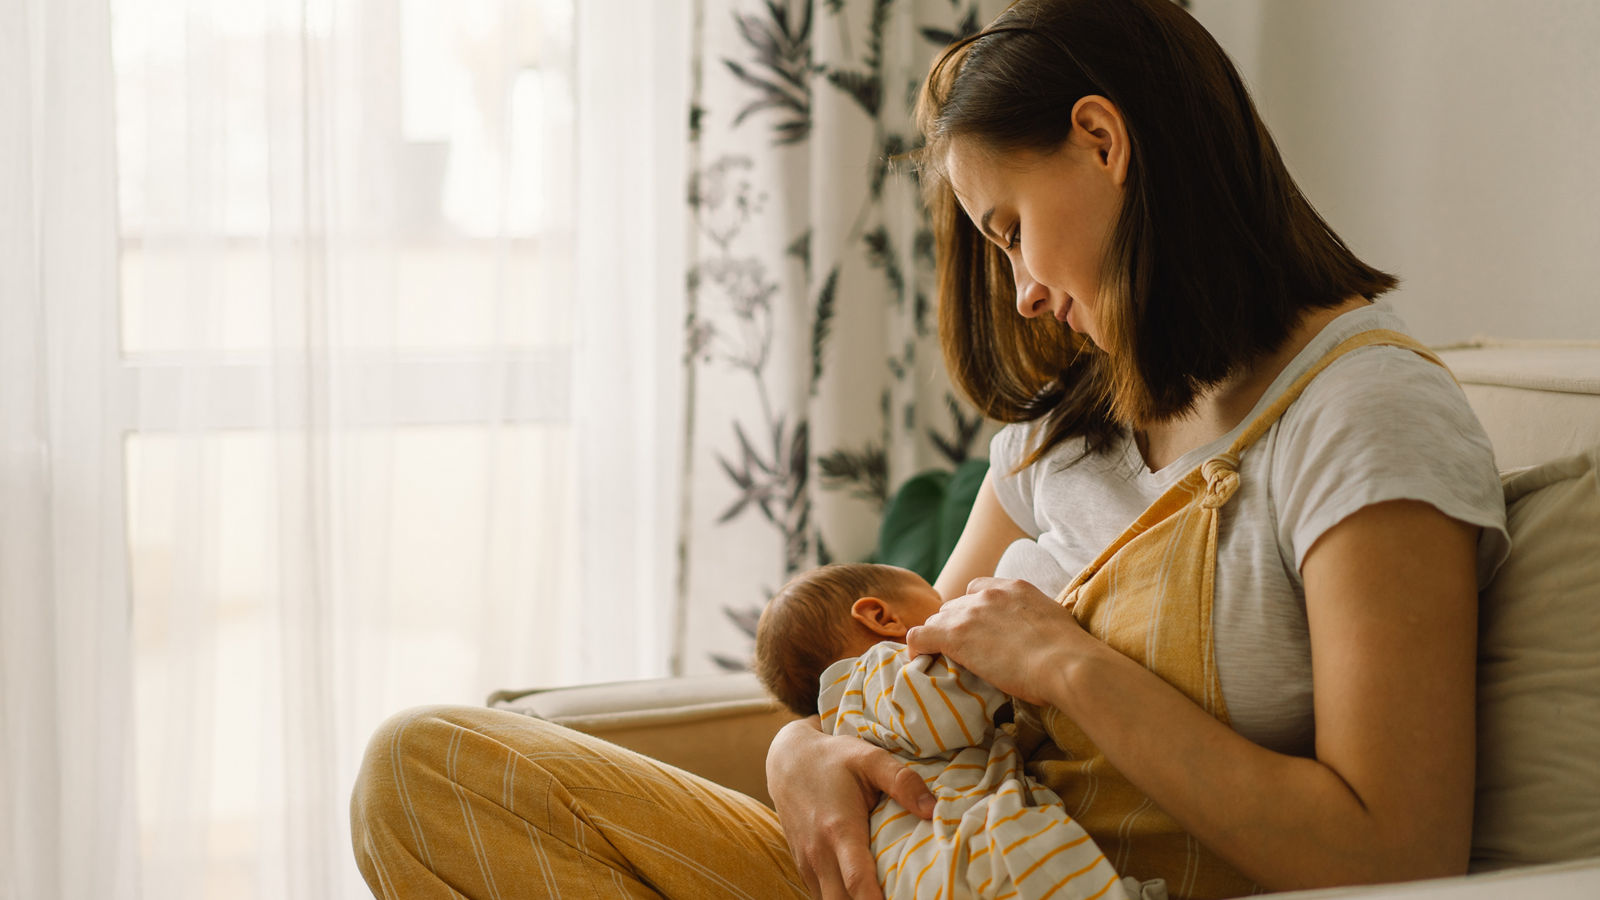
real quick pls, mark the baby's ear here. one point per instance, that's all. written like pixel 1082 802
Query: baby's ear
pixel 878 617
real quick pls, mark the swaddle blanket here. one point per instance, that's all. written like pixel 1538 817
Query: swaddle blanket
pixel 995 833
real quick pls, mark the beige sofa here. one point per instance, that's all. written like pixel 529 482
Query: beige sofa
pixel 1537 825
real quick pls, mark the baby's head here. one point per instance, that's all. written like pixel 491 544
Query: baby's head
pixel 834 613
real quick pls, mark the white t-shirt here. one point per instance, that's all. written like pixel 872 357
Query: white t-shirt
pixel 1381 423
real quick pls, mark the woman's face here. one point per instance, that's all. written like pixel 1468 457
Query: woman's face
pixel 1052 214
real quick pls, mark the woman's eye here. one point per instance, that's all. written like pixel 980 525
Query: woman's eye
pixel 1014 238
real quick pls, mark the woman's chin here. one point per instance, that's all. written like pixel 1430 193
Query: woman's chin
pixel 1072 316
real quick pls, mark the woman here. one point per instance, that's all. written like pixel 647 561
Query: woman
pixel 1107 156
pixel 1265 511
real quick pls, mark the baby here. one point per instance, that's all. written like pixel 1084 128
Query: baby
pixel 994 830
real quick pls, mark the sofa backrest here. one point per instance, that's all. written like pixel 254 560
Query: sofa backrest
pixel 1538 400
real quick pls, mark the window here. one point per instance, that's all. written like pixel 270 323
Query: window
pixel 353 464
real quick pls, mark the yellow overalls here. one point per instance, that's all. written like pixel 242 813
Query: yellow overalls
pixel 1149 596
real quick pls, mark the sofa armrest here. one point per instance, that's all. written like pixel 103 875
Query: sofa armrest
pixel 716 726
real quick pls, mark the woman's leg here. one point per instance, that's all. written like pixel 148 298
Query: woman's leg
pixel 492 805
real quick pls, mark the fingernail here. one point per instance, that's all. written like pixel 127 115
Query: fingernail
pixel 925 805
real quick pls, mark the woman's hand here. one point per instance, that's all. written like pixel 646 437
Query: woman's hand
pixel 824 788
pixel 1008 633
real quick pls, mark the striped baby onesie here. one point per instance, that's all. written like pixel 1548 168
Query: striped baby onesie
pixel 995 833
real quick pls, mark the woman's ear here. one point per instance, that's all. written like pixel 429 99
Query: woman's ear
pixel 878 617
pixel 1097 122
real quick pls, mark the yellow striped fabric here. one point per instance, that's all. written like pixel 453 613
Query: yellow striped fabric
pixel 456 802
pixel 995 833
pixel 1149 596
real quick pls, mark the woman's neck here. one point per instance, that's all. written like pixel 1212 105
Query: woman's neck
pixel 1222 407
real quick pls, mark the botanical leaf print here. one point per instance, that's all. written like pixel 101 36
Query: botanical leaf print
pixel 891 159
pixel 772 482
pixel 923 248
pixel 866 87
pixel 881 253
pixel 967 424
pixel 863 87
pixel 969 25
pixel 820 325
pixel 724 200
pixel 807 228
pixel 781 68
pixel 745 618
pixel 729 663
pixel 864 473
pixel 800 248
pixel 900 364
pixel 697 114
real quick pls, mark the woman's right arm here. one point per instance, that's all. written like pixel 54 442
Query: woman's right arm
pixel 984 539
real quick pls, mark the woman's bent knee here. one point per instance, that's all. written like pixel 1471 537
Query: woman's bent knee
pixel 406 810
pixel 474 799
pixel 412 751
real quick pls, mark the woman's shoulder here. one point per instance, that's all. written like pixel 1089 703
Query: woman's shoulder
pixel 1382 378
pixel 1381 423
pixel 1380 401
pixel 1387 382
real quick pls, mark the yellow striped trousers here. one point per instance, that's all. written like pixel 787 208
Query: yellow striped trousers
pixel 491 805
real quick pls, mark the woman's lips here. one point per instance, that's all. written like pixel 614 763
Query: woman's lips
pixel 1061 314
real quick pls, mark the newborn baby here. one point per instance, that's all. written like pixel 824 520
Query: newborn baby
pixel 826 645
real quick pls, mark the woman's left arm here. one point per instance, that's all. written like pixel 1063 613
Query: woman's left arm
pixel 1391 599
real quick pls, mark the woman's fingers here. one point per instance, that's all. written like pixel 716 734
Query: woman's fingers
pixel 934 635
pixel 839 863
pixel 824 789
pixel 825 882
pixel 978 584
pixel 1005 631
pixel 851 873
pixel 889 775
pixel 859 870
pixel 846 868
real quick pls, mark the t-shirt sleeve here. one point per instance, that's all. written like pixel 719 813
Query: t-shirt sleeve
pixel 1015 490
pixel 1384 424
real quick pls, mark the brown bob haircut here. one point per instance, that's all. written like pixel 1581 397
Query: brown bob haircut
pixel 1213 259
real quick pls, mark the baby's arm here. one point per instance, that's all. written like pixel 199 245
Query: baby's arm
pixel 920 707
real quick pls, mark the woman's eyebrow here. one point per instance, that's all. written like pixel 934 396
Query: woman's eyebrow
pixel 983 224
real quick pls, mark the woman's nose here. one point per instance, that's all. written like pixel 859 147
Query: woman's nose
pixel 1033 298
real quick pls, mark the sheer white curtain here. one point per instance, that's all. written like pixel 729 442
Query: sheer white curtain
pixel 343 395
pixel 66 805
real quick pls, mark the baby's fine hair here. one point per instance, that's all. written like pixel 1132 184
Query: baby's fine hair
pixel 807 625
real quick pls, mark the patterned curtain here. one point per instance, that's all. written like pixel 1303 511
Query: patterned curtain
pixel 815 382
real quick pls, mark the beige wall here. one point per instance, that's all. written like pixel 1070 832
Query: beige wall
pixel 1453 142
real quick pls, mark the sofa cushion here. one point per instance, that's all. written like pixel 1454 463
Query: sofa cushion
pixel 1538 794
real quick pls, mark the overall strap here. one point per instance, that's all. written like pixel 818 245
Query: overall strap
pixel 1269 416
pixel 1213 483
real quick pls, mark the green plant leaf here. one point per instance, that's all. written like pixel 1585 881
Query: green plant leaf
pixel 959 496
pixel 924 518
pixel 909 534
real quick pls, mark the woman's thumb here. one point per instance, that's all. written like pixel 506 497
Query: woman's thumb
pixel 902 783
